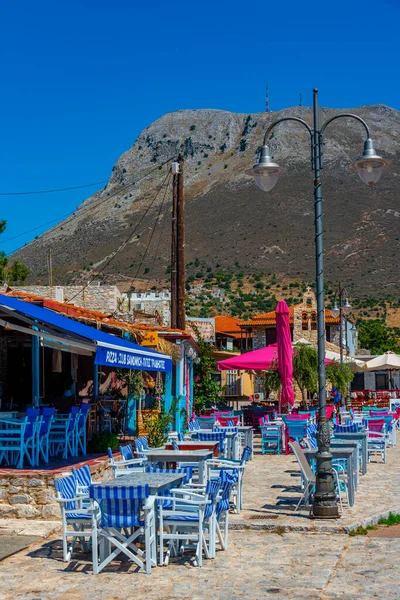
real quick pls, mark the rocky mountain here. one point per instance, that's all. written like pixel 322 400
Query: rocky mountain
pixel 229 220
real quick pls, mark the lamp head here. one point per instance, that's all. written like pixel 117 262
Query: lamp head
pixel 335 310
pixel 265 172
pixel 346 308
pixel 369 165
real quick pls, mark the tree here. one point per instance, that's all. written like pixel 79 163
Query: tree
pixel 271 380
pixel 340 375
pixel 12 274
pixel 206 388
pixel 305 369
pixel 376 337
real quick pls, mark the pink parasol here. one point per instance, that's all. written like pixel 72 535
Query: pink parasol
pixel 285 352
pixel 257 360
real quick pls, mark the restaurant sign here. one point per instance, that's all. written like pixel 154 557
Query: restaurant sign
pixel 150 339
pixel 129 360
pixel 205 327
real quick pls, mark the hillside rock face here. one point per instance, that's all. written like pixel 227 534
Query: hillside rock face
pixel 229 220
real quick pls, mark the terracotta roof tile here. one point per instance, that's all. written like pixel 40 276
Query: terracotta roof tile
pixel 265 319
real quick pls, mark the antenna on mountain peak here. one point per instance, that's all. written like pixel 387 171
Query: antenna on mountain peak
pixel 267 109
pixel 301 98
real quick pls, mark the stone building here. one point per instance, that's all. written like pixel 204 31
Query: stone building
pixel 303 325
pixel 104 298
pixel 149 302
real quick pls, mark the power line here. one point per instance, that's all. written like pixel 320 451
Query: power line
pixel 164 221
pixel 81 211
pixel 152 232
pixel 124 243
pixel 67 189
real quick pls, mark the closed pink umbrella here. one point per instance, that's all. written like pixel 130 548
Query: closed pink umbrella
pixel 285 352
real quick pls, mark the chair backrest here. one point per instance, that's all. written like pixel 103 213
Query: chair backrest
pixel 12 432
pixel 175 445
pixel 32 412
pixel 311 436
pixel 193 426
pixel 226 429
pixel 83 415
pixel 296 417
pixel 246 454
pixel 303 463
pixel 33 424
pixel 181 437
pixel 120 505
pixel 144 442
pixel 127 452
pixel 45 426
pixel 66 488
pixel 83 475
pixel 228 480
pixel 348 428
pixel 110 454
pixel 376 425
pixel 187 472
pixel 329 412
pixel 47 411
pixel 226 421
pixel 217 436
pixel 296 429
pixel 212 489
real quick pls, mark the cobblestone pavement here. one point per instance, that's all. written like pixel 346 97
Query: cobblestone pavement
pixel 257 565
pixel 272 490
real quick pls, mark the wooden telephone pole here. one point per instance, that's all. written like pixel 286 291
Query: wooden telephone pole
pixel 178 247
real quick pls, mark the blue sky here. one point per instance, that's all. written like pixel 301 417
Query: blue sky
pixel 80 80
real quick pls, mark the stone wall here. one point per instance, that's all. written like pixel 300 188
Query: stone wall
pixel 258 337
pixel 30 494
pixel 104 298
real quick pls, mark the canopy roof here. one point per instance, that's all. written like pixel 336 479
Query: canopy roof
pixel 257 360
pixel 385 362
pixel 110 350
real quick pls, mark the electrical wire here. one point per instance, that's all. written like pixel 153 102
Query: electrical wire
pixel 67 189
pixel 152 233
pixel 124 243
pixel 78 212
pixel 164 221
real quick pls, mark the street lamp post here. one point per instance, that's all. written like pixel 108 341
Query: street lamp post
pixel 338 310
pixel 266 173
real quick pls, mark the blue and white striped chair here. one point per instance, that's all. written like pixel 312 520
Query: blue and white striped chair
pixel 124 465
pixel 126 515
pixel 83 478
pixel 233 468
pixel 193 426
pixel 192 515
pixel 77 521
pixel 218 436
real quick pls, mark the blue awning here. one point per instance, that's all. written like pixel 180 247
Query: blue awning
pixel 110 350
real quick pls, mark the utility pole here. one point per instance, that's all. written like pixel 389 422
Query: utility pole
pixel 267 109
pixel 180 249
pixel 174 294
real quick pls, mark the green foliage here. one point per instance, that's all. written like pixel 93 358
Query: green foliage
pixel 101 441
pixel 271 380
pixel 206 388
pixel 305 368
pixel 340 375
pixel 157 425
pixel 361 530
pixel 392 519
pixel 14 274
pixel 243 144
pixel 376 337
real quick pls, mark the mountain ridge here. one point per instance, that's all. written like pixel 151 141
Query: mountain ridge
pixel 229 219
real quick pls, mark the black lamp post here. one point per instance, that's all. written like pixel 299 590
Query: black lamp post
pixel 266 173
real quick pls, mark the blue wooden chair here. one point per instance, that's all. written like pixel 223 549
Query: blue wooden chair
pixel 80 432
pixel 43 446
pixel 192 515
pixel 77 521
pixel 218 436
pixel 12 440
pixel 125 465
pixel 126 514
pixel 62 435
pixel 270 439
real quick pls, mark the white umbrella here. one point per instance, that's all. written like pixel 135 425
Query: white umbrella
pixel 346 359
pixel 390 361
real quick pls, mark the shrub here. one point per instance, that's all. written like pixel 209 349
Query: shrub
pixel 102 441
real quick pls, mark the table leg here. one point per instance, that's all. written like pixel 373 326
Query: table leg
pixel 364 449
pixel 350 480
pixel 201 471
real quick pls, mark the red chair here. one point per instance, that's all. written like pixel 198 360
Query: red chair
pixel 224 421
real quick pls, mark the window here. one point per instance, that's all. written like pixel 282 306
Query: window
pixel 381 381
pixel 304 321
pixel 232 383
pixel 313 321
pixel 358 382
pixel 328 335
pixel 270 336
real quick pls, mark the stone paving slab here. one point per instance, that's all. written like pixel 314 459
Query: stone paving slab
pixel 257 565
pixel 271 490
pixel 29 527
pixel 10 544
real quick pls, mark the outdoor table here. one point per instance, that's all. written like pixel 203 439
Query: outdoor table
pixel 196 445
pixel 360 436
pixel 248 432
pixel 181 456
pixel 335 443
pixel 347 454
pixel 157 482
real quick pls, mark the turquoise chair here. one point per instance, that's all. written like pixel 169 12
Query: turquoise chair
pixel 270 439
